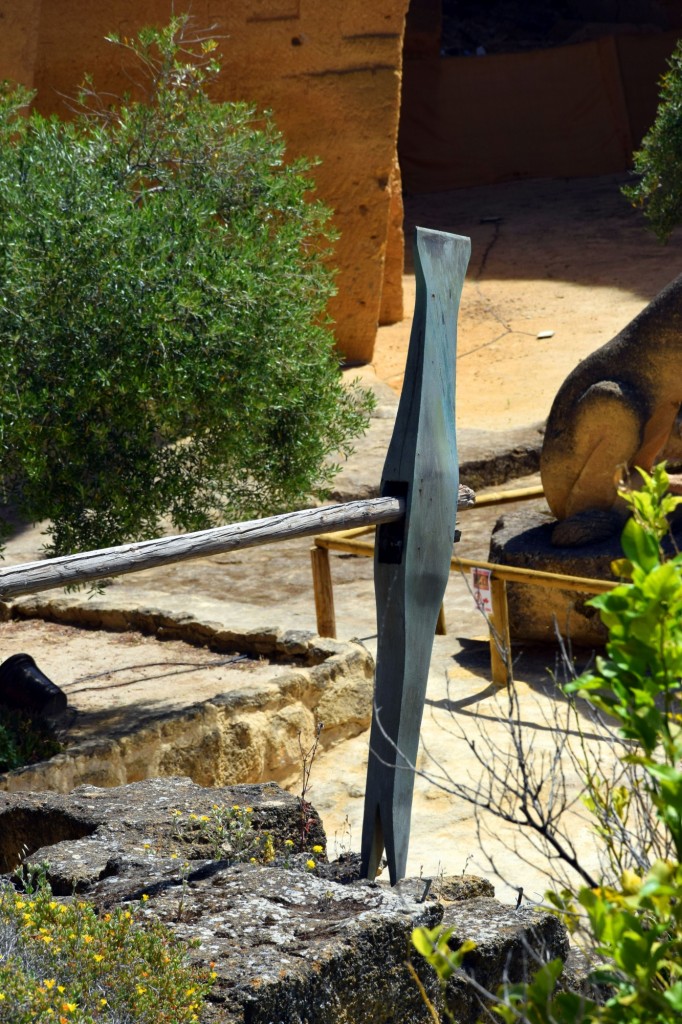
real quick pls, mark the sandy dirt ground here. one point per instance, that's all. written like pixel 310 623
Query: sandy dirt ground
pixel 571 257
pixel 567 257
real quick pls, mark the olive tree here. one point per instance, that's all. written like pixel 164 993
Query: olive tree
pixel 164 272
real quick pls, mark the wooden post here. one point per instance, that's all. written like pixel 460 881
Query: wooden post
pixel 412 557
pixel 323 591
pixel 500 641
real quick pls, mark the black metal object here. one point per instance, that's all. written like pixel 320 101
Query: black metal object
pixel 23 687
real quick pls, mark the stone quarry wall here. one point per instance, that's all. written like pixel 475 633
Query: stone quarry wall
pixel 330 72
pixel 249 729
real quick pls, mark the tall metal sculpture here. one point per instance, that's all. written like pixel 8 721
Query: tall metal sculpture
pixel 412 555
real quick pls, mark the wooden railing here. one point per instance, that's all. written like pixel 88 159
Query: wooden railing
pixel 498 620
pixel 90 566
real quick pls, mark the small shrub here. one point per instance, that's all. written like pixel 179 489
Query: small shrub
pixel 228 834
pixel 62 963
pixel 25 740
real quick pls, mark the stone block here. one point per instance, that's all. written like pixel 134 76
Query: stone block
pixel 536 613
pixel 288 944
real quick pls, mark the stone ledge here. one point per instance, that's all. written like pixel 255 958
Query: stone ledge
pixel 289 945
pixel 249 732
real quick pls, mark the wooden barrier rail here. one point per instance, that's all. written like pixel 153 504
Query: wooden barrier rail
pixel 88 566
pixel 498 623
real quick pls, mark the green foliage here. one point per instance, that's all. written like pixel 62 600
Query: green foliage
pixel 434 946
pixel 24 740
pixel 228 834
pixel 62 963
pixel 163 281
pixel 658 163
pixel 634 928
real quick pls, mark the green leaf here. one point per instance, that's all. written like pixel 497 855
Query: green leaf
pixel 639 546
pixel 673 995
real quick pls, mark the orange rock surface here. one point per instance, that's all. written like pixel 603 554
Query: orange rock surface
pixel 330 72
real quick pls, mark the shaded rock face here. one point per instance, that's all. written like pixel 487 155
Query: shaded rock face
pixel 511 945
pixel 523 539
pixel 289 945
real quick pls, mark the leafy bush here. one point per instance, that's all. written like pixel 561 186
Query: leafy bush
pixel 163 281
pixel 630 928
pixel 62 963
pixel 658 163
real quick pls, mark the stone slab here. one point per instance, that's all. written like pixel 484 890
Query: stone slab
pixel 288 944
pixel 536 614
pixel 238 717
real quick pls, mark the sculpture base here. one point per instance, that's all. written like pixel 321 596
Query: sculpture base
pixel 538 613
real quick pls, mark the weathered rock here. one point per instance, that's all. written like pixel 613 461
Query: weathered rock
pixel 247 731
pixel 510 945
pixel 523 539
pixel 293 948
pixel 288 945
pixel 454 888
pixel 129 830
